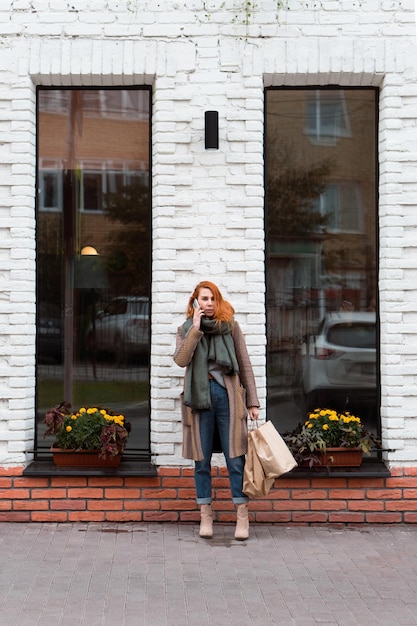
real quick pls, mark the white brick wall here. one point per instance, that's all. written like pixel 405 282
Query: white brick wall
pixel 207 205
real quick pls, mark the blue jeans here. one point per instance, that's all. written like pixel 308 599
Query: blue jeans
pixel 218 414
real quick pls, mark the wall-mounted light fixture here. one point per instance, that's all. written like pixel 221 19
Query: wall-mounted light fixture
pixel 211 129
pixel 89 251
pixel 90 270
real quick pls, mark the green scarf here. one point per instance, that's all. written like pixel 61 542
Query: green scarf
pixel 215 345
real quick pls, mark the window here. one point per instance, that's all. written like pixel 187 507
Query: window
pixel 50 185
pixel 132 103
pixel 93 254
pixel 341 205
pixel 321 182
pixel 92 191
pixel 327 117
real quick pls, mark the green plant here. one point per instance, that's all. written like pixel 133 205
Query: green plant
pixel 326 428
pixel 91 428
pixel 248 9
pixel 245 10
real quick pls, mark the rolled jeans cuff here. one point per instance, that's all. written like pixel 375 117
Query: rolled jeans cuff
pixel 240 500
pixel 203 500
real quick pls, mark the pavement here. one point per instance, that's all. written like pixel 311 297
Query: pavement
pixel 166 575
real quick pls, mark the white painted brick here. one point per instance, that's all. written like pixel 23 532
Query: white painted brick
pixel 196 65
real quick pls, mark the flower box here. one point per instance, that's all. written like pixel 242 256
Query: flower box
pixel 89 437
pixel 330 439
pixel 342 457
pixel 83 458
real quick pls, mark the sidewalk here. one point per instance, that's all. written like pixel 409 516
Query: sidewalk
pixel 165 575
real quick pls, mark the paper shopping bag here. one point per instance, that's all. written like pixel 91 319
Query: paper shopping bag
pixel 255 483
pixel 272 451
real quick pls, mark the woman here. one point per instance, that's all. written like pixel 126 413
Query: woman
pixel 218 387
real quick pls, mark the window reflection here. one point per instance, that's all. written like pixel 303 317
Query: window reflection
pixel 93 258
pixel 321 253
pixel 327 116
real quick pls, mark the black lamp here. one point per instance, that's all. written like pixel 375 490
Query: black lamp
pixel 211 129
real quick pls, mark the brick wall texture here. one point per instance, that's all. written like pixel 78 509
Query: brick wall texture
pixel 170 497
pixel 199 56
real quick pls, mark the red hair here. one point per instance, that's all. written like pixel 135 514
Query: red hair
pixel 223 310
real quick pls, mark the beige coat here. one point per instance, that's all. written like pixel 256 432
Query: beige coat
pixel 241 390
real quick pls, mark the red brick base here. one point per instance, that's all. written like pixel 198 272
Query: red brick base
pixel 170 497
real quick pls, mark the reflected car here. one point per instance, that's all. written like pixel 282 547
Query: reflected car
pixel 50 333
pixel 339 369
pixel 122 328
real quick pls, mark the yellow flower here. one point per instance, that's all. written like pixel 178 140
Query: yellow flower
pixel 68 429
pixel 310 426
pixel 325 426
pixel 91 411
pixel 82 410
pixel 74 417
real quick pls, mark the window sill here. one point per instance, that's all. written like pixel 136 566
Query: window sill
pixel 137 465
pixel 370 468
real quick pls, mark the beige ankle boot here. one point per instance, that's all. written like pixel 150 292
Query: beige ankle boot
pixel 242 522
pixel 206 523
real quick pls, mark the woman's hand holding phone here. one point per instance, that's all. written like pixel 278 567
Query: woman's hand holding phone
pixel 198 314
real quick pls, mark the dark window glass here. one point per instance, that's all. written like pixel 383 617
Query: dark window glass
pixel 93 254
pixel 51 190
pixel 321 181
pixel 353 336
pixel 92 191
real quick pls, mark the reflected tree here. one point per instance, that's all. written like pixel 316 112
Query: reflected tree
pixel 291 193
pixel 129 208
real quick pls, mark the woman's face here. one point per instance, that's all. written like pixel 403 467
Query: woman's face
pixel 206 301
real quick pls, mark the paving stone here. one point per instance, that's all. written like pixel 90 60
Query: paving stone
pixel 165 575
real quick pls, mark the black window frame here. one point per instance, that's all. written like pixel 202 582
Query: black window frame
pixel 370 466
pixel 135 462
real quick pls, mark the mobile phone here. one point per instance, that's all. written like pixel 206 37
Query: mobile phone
pixel 195 303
